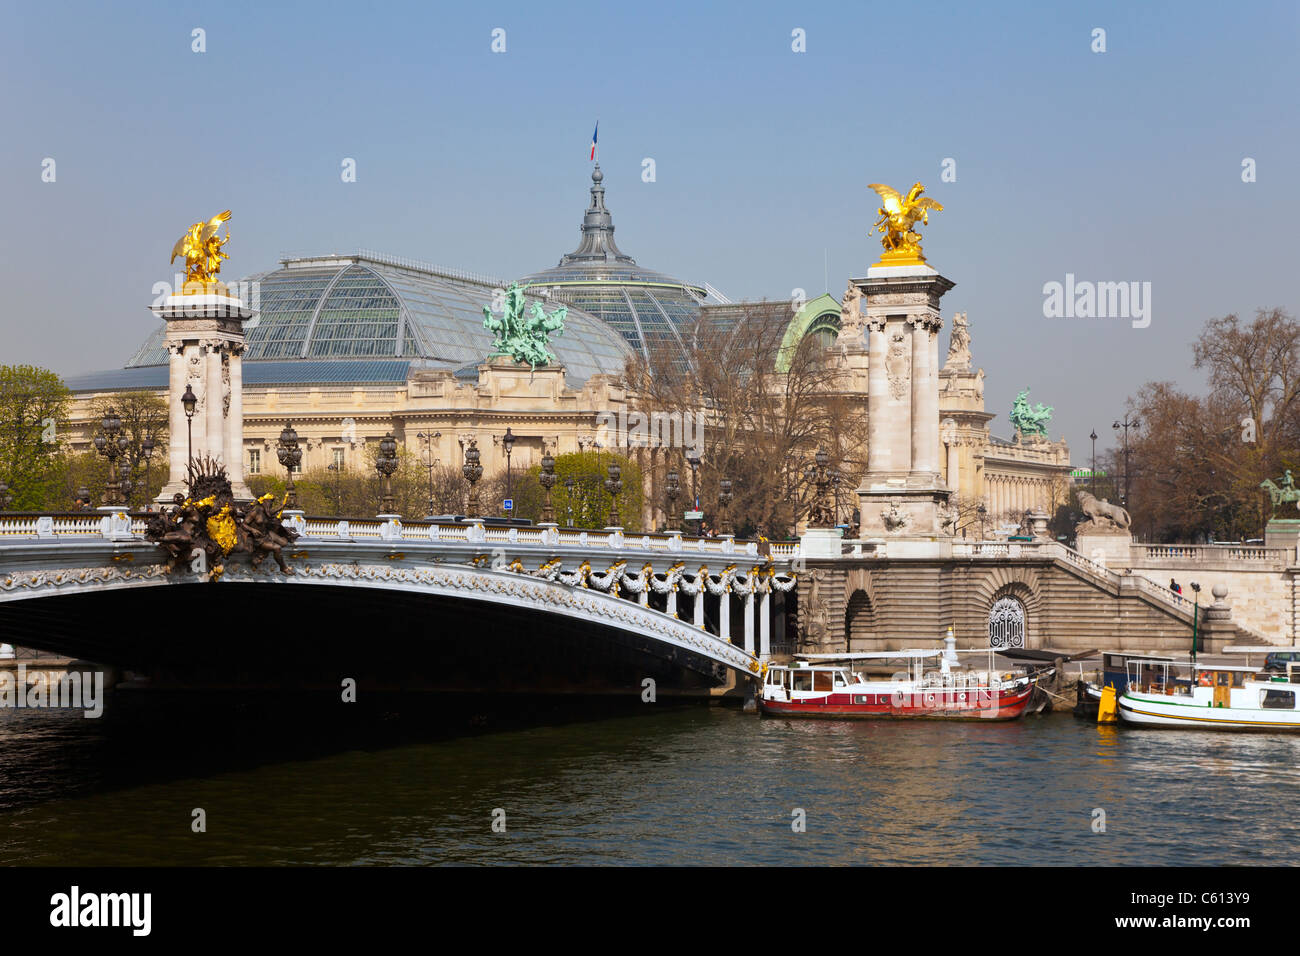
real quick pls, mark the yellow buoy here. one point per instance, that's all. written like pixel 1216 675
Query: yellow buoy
pixel 1107 713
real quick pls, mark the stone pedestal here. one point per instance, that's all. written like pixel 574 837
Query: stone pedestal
pixel 1282 533
pixel 901 493
pixel 1112 548
pixel 821 543
pixel 205 345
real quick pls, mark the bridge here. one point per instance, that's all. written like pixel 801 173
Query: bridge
pixel 410 603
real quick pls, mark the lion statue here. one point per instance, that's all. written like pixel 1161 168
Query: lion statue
pixel 1098 509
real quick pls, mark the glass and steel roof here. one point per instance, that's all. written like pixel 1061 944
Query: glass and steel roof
pixel 652 311
pixel 330 312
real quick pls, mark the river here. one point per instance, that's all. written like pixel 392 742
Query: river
pixel 312 781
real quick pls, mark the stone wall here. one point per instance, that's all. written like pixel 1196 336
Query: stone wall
pixel 891 604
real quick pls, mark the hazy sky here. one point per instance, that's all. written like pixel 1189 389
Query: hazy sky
pixel 1117 166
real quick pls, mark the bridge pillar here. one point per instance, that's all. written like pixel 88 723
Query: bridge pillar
pixel 205 344
pixel 900 495
pixel 724 614
pixel 699 601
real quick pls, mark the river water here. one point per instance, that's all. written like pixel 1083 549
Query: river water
pixel 313 781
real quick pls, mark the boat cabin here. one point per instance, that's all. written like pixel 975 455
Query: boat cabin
pixel 1213 685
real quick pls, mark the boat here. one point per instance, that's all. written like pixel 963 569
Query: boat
pixel 822 686
pixel 1163 693
pixel 1114 674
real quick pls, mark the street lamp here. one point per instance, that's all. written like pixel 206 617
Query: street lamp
pixel 290 455
pixel 817 473
pixel 694 461
pixel 673 490
pixel 112 444
pixel 189 401
pixel 1196 616
pixel 386 464
pixel 547 480
pixel 1092 479
pixel 1126 424
pixel 724 501
pixel 614 485
pixel 147 446
pixel 508 442
pixel 338 488
pixel 429 460
pixel 981 511
pixel 472 471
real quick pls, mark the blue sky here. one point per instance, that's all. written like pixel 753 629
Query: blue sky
pixel 1115 166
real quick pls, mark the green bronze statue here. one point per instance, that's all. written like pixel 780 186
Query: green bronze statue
pixel 1282 492
pixel 523 337
pixel 1030 421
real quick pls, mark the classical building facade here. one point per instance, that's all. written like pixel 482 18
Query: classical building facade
pixel 347 348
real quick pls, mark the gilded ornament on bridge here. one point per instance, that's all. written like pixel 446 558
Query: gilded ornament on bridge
pixel 523 337
pixel 209 525
pixel 201 248
pixel 897 223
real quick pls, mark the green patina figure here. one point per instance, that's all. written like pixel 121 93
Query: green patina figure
pixel 1030 421
pixel 523 337
pixel 1282 492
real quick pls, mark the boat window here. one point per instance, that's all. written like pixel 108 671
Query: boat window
pixel 1239 678
pixel 1223 678
pixel 801 680
pixel 839 679
pixel 821 680
pixel 1277 699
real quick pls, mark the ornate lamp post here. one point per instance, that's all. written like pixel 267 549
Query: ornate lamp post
pixel 981 511
pixel 189 401
pixel 547 481
pixel 568 495
pixel 386 464
pixel 83 498
pixel 147 446
pixel 508 442
pixel 290 455
pixel 835 482
pixel 472 471
pixel 724 502
pixel 112 444
pixel 673 490
pixel 694 461
pixel 1126 424
pixel 614 485
pixel 338 489
pixel 429 460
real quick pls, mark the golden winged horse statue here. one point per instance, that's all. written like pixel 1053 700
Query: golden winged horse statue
pixel 201 247
pixel 897 223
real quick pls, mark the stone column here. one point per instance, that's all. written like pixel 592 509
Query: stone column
pixel 954 465
pixel 235 423
pixel 214 417
pixel 178 437
pixel 925 411
pixel 765 624
pixel 878 451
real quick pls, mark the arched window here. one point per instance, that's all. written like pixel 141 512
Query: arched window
pixel 1007 623
pixel 824 329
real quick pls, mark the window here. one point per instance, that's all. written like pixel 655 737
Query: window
pixel 801 680
pixel 254 461
pixel 822 680
pixel 1277 699
pixel 338 459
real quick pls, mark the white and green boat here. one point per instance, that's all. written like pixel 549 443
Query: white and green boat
pixel 1164 693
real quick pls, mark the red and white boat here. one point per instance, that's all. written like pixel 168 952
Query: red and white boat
pixel 834 690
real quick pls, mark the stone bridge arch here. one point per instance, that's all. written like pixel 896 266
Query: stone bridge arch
pixel 1021 583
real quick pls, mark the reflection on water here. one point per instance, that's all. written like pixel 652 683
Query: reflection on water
pixel 310 781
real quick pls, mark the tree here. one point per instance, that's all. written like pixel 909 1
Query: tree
pixel 144 416
pixel 763 420
pixel 1197 463
pixel 33 416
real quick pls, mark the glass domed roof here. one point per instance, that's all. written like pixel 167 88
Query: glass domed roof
pixel 369 307
pixel 650 310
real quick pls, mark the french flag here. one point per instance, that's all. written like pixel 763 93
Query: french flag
pixel 593 139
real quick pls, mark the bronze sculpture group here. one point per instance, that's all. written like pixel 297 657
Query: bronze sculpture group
pixel 210 522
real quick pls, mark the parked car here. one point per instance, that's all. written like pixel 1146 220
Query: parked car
pixel 1278 660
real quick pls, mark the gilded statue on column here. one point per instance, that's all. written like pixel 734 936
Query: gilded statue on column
pixel 897 223
pixel 201 247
